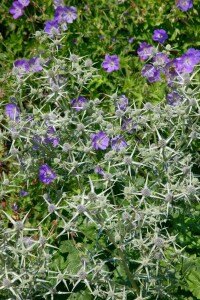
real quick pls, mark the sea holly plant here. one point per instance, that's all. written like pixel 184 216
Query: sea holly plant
pixel 98 181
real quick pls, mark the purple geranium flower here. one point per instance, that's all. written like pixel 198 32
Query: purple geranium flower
pixel 35 65
pixel 100 140
pixel 122 103
pixel 21 66
pixel 111 63
pixel 60 16
pixel 12 111
pixel 16 10
pixel 160 35
pixel 129 125
pixel 24 3
pixel 78 103
pixel 51 137
pixel 186 63
pixel 151 72
pixel 184 5
pixel 52 28
pixel 46 174
pixel 145 51
pixel 174 98
pixel 65 14
pixel 161 59
pixel 99 170
pixel 118 142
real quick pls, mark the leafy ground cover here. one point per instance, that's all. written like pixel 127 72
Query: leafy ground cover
pixel 100 158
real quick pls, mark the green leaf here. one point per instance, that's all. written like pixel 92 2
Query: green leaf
pixel 84 295
pixel 193 281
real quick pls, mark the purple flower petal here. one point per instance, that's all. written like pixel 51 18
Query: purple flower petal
pixel 16 10
pixel 46 175
pixel 78 103
pixel 160 35
pixel 12 111
pixel 118 142
pixel 111 63
pixel 100 140
pixel 184 5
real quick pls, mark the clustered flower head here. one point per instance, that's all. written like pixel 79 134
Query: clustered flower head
pixel 63 15
pixel 17 9
pixel 161 62
pixel 23 66
pixel 184 5
pixel 111 63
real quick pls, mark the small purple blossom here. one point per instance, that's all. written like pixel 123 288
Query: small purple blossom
pixel 111 63
pixel 122 103
pixel 15 207
pixel 12 111
pixel 23 193
pixel 34 64
pixel 46 175
pixel 24 3
pixel 16 10
pixel 151 72
pixel 51 137
pixel 118 142
pixel 129 125
pixel 184 5
pixel 100 140
pixel 37 141
pixel 78 103
pixel 160 36
pixel 21 67
pixel 145 51
pixel 99 170
pixel 52 28
pixel 174 98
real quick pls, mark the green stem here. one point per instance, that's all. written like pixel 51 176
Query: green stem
pixel 123 260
